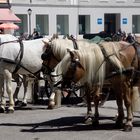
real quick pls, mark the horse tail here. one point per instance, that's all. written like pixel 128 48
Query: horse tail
pixel 135 99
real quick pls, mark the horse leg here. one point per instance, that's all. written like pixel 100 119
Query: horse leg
pixel 54 97
pixel 127 101
pixel 51 103
pixel 25 85
pixel 88 118
pixel 57 98
pixel 19 83
pixel 96 99
pixel 119 101
pixel 8 78
pixel 3 102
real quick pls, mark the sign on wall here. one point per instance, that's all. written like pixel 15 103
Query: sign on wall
pixel 124 21
pixel 99 21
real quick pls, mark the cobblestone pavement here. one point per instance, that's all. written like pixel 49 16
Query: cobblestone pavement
pixel 36 122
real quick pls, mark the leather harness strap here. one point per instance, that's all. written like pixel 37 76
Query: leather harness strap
pixel 74 43
pixel 20 56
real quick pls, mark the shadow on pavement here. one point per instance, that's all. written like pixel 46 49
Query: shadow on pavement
pixel 75 123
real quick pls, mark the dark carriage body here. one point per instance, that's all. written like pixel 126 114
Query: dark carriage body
pixel 100 34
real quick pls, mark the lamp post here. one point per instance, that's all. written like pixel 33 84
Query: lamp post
pixel 29 15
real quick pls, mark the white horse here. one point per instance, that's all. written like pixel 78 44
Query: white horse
pixel 21 57
pixel 17 78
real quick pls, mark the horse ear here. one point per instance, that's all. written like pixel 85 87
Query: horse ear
pixel 46 42
pixel 71 54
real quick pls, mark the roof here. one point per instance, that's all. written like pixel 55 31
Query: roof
pixel 6 15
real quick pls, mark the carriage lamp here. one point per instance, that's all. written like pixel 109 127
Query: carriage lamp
pixel 29 14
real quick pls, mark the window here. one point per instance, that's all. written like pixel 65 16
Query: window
pixel 84 24
pixel 42 24
pixel 23 25
pixel 136 22
pixel 62 24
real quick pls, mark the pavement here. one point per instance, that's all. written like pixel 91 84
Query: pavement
pixel 36 122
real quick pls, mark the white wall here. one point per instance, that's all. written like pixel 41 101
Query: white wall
pixel 73 11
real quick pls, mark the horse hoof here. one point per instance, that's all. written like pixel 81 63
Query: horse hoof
pixel 10 111
pixel 17 103
pixel 23 104
pixel 127 128
pixel 88 121
pixel 2 110
pixel 119 124
pixel 50 107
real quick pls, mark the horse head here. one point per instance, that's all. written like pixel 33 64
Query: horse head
pixel 74 71
pixel 49 60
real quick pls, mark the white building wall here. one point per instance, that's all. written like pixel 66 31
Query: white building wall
pixel 95 8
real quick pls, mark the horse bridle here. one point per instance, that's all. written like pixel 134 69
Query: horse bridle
pixel 46 56
pixel 73 65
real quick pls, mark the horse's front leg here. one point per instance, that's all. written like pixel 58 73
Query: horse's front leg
pixel 8 78
pixel 119 101
pixel 3 102
pixel 96 99
pixel 19 83
pixel 25 85
pixel 88 118
pixel 55 98
pixel 128 104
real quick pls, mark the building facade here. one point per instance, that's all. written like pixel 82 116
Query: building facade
pixel 77 16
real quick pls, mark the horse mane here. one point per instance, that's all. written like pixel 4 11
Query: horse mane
pixel 92 61
pixel 59 47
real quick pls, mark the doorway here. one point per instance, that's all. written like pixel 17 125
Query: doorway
pixel 111 23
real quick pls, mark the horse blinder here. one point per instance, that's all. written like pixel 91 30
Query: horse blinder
pixel 70 76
